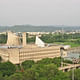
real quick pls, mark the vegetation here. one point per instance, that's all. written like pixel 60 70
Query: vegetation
pixel 31 40
pixel 7 68
pixel 0 58
pixel 3 38
pixel 45 69
pixel 67 39
pixel 27 64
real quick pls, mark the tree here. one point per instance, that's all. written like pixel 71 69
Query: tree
pixel 0 58
pixel 50 71
pixel 27 64
pixel 46 72
pixel 62 76
pixel 45 61
pixel 3 38
pixel 1 77
pixel 77 74
pixel 30 74
pixel 57 61
pixel 16 76
pixel 7 68
pixel 31 40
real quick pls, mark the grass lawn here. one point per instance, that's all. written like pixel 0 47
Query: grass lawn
pixel 69 43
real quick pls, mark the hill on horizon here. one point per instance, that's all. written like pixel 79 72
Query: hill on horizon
pixel 31 28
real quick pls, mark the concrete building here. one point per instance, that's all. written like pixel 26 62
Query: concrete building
pixel 31 52
pixel 34 52
pixel 13 40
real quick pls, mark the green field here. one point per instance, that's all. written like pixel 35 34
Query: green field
pixel 69 43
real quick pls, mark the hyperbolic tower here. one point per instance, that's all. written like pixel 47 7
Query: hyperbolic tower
pixel 13 40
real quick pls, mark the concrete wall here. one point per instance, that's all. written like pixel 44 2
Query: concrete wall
pixel 4 54
pixel 11 55
pixel 13 40
pixel 39 53
pixel 24 39
pixel 14 56
pixel 17 56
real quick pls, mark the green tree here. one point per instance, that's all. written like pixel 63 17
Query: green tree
pixel 57 61
pixel 1 77
pixel 45 61
pixel 7 68
pixel 50 71
pixel 16 76
pixel 3 38
pixel 46 72
pixel 0 58
pixel 27 64
pixel 77 74
pixel 30 74
pixel 62 76
pixel 31 40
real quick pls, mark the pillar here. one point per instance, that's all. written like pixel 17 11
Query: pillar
pixel 24 39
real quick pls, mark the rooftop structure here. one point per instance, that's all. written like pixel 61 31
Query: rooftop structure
pixel 39 42
pixel 13 40
pixel 24 39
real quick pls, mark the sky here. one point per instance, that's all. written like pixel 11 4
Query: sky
pixel 40 12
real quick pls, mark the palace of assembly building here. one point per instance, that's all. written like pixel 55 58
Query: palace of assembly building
pixel 17 51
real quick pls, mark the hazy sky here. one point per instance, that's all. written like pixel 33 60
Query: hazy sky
pixel 40 12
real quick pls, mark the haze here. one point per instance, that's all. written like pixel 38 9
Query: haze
pixel 40 12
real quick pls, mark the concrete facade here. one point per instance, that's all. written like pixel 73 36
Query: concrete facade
pixel 27 52
pixel 13 40
pixel 31 52
pixel 24 39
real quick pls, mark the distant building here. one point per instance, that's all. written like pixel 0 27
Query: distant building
pixel 35 52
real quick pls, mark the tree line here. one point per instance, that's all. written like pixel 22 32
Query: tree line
pixel 49 38
pixel 45 69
